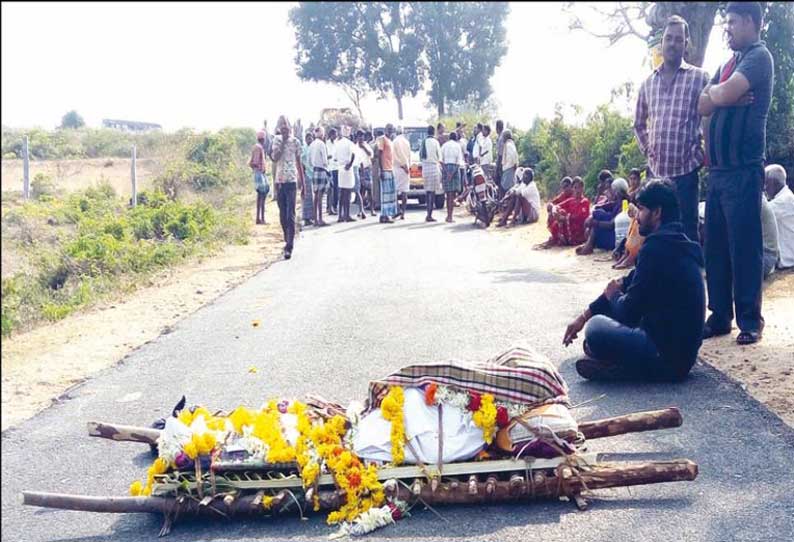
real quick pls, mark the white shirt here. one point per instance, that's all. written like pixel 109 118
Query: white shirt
pixel 783 207
pixel 486 146
pixel 531 194
pixel 344 151
pixel 450 153
pixel 401 148
pixel 769 230
pixel 476 149
pixel 433 150
pixel 365 159
pixel 318 154
pixel 510 158
pixel 331 147
pixel 463 144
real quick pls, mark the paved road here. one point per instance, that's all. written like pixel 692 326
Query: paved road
pixel 355 302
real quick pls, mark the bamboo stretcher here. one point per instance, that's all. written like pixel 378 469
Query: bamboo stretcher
pixel 237 489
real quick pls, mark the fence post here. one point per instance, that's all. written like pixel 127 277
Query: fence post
pixel 134 177
pixel 26 170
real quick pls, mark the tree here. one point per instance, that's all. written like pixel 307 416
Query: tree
pixel 780 126
pixel 347 43
pixel 464 43
pixel 635 19
pixel 72 120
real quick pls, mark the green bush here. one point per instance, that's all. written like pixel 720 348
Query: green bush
pixel 101 243
pixel 42 186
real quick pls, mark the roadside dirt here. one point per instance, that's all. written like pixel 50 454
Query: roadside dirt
pixel 42 365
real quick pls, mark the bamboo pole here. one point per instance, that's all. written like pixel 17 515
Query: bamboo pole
pixel 607 427
pixel 568 483
pixel 632 423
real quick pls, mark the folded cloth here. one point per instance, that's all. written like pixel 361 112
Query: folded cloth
pixel 518 375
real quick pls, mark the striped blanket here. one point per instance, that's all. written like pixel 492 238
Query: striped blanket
pixel 518 375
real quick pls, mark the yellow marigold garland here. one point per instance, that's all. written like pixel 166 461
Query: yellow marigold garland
pixel 360 483
pixel 309 470
pixel 267 427
pixel 392 410
pixel 485 417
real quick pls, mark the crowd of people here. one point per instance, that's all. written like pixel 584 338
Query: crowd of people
pixel 651 323
pixel 330 168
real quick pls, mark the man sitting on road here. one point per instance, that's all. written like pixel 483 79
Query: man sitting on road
pixel 648 325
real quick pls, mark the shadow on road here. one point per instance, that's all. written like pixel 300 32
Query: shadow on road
pixel 528 275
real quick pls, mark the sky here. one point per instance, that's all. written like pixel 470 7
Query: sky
pixel 210 65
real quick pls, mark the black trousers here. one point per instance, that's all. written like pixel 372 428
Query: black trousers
pixel 687 195
pixel 286 211
pixel 734 247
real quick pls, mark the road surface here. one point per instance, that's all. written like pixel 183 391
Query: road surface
pixel 355 302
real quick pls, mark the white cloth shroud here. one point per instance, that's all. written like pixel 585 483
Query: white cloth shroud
pixel 462 438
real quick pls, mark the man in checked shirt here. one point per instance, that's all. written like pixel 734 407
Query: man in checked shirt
pixel 667 124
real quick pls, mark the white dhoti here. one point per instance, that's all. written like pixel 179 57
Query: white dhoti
pixel 402 179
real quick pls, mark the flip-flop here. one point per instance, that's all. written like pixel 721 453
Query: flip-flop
pixel 748 337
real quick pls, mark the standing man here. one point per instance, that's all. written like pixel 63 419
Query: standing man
pixel 307 199
pixel 333 169
pixel 345 156
pixel 667 124
pixel 257 165
pixel 318 160
pixel 451 157
pixel 485 156
pixel 402 169
pixel 500 145
pixel 388 194
pixel 508 161
pixel 369 139
pixel 431 172
pixel 289 176
pixel 366 154
pixel 737 101
pixel 464 144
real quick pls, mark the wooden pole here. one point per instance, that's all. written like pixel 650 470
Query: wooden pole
pixel 608 427
pixel 632 423
pixel 133 175
pixel 26 169
pixel 123 433
pixel 560 482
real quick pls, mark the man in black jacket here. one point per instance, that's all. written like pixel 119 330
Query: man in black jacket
pixel 649 324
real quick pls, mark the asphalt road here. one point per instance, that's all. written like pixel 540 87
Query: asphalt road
pixel 355 302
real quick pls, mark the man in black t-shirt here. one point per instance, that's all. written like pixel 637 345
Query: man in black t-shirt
pixel 737 104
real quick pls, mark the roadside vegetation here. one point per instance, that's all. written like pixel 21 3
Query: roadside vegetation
pixel 68 251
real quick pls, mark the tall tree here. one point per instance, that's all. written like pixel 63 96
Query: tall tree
pixel 627 18
pixel 464 43
pixel 72 119
pixel 347 43
pixel 780 127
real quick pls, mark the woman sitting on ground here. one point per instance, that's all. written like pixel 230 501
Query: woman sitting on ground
pixel 566 223
pixel 601 225
pixel 631 246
